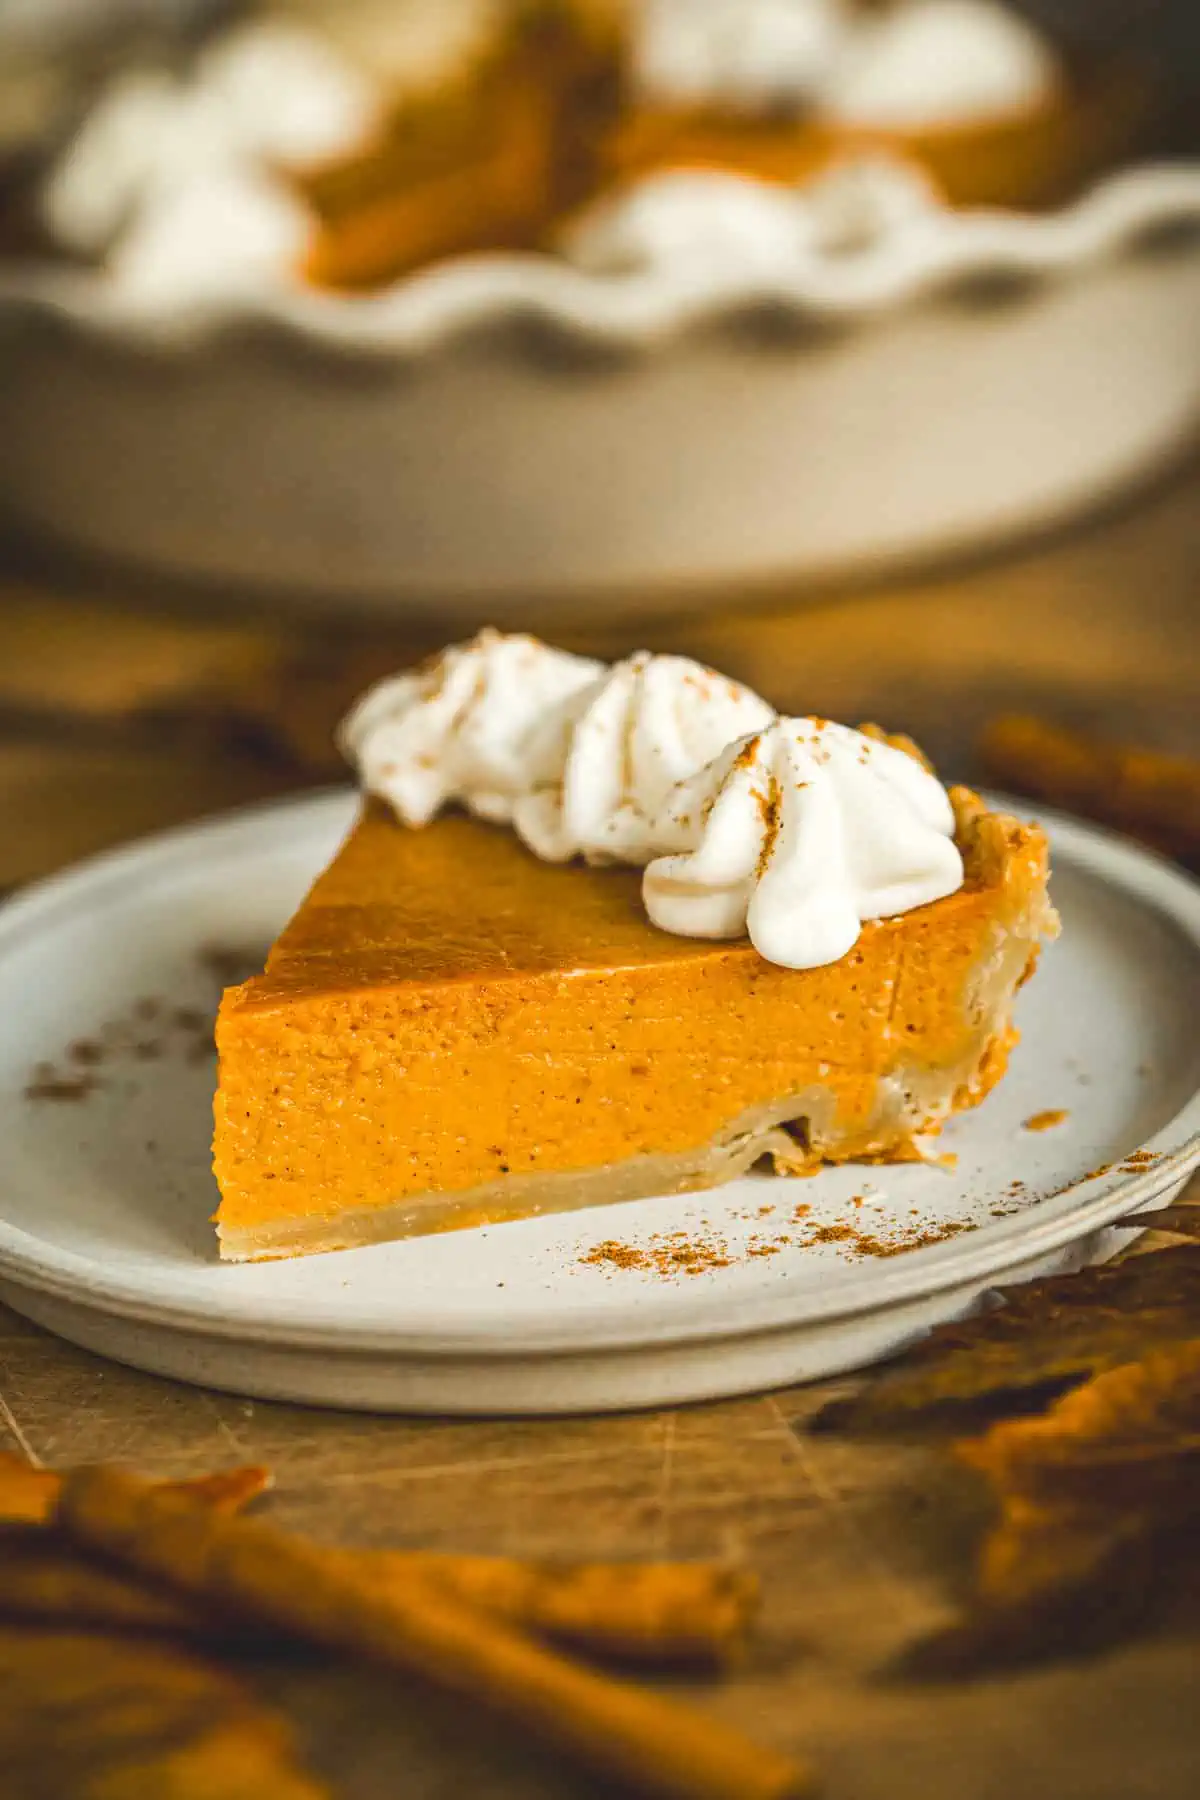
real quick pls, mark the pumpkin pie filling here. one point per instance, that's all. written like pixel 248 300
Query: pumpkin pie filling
pixel 452 1032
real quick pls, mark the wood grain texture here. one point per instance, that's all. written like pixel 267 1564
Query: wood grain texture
pixel 861 1547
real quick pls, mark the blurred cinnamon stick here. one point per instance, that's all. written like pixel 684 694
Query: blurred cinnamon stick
pixel 638 1612
pixel 654 1614
pixel 28 1494
pixel 267 1578
pixel 660 1614
pixel 1146 793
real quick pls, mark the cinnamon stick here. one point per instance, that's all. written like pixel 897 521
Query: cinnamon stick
pixel 647 1613
pixel 1150 795
pixel 649 1743
pixel 640 1612
pixel 28 1493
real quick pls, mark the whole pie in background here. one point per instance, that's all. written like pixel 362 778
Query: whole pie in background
pixel 347 146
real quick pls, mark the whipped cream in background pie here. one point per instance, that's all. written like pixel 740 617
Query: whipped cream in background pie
pixel 706 219
pixel 688 218
pixel 909 64
pixel 183 183
pixel 233 146
pixel 233 225
pixel 939 62
pixel 753 54
pixel 793 830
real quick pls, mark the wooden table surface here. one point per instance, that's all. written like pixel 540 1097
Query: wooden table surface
pixel 116 718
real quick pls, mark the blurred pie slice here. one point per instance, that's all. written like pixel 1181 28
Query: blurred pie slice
pixel 479 156
pixel 964 89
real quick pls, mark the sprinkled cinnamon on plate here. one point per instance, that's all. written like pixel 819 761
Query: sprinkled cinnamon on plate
pixel 669 1254
pixel 883 1242
pixel 185 1030
pixel 47 1084
pixel 831 1234
pixel 1045 1121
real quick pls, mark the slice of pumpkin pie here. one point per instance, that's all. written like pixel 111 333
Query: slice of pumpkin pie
pixel 660 935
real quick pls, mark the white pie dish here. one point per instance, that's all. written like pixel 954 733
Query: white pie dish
pixel 104 1214
pixel 502 432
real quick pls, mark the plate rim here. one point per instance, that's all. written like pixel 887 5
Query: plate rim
pixel 982 1254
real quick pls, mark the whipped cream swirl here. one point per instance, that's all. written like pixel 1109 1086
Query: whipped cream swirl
pixel 226 230
pixel 751 54
pixel 910 64
pixel 484 723
pixel 930 63
pixel 688 218
pixel 704 222
pixel 265 98
pixel 796 836
pixel 793 830
pixel 648 724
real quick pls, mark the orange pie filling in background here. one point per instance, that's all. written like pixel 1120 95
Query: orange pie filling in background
pixel 549 118
pixel 451 1033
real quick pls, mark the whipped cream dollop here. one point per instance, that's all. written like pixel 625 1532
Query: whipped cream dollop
pixel 797 835
pixel 707 223
pixel 862 201
pixel 690 219
pixel 795 831
pixel 646 725
pixel 748 54
pixel 110 161
pixel 286 94
pixel 906 65
pixel 937 63
pixel 483 724
pixel 264 98
pixel 229 228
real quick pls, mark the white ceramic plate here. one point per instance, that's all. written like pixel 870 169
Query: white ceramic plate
pixel 106 1198
pixel 499 433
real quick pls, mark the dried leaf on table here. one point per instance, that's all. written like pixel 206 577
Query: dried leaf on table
pixel 1097 1500
pixel 102 1718
pixel 1128 1437
pixel 1177 1221
pixel 1046 1335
